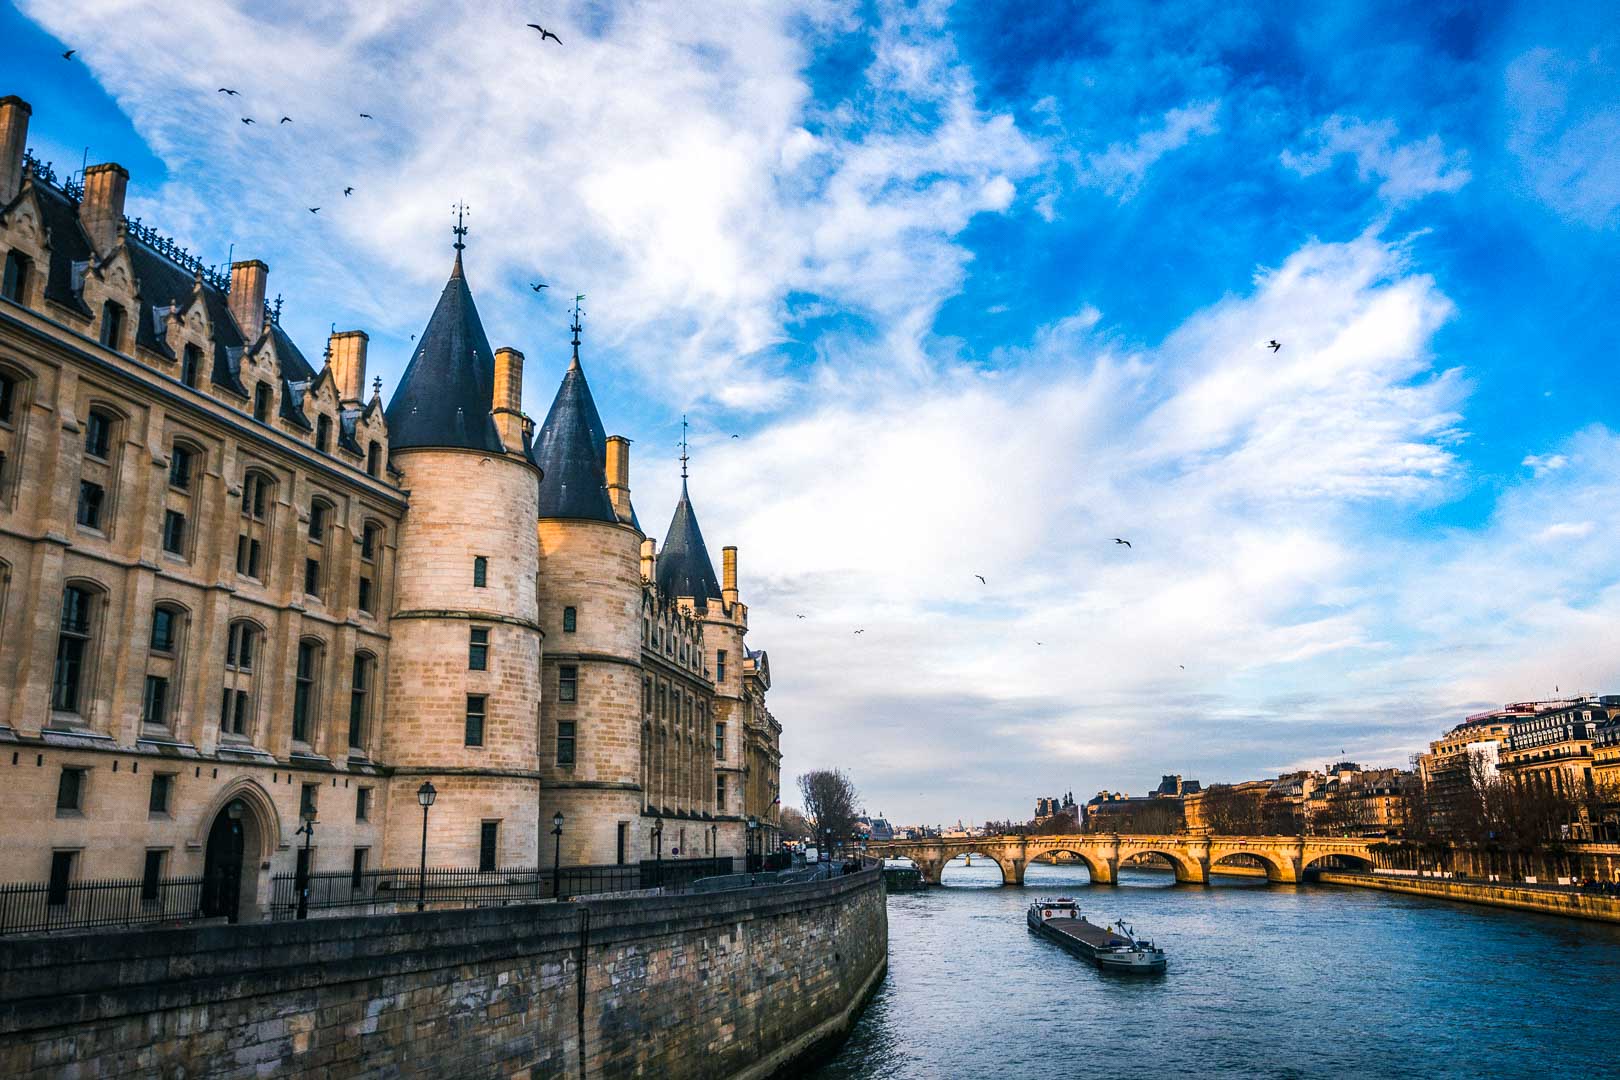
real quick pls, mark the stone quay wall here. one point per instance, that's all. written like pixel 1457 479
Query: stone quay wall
pixel 742 984
pixel 1568 902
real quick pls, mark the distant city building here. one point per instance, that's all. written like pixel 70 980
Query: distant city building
pixel 1048 808
pixel 1554 746
pixel 1162 810
pixel 1446 771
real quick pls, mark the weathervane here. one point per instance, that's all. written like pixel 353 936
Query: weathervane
pixel 575 326
pixel 460 228
pixel 684 455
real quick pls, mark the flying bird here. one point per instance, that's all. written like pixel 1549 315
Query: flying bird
pixel 981 579
pixel 227 90
pixel 1183 667
pixel 367 116
pixel 544 33
pixel 69 54
pixel 1040 643
pixel 736 436
pixel 314 209
pixel 1117 540
pixel 348 191
pixel 247 119
pixel 1273 344
pixel 285 120
pixel 801 616
pixel 860 631
pixel 538 285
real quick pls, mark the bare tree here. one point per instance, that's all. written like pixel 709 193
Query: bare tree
pixel 830 803
pixel 1230 812
pixel 794 826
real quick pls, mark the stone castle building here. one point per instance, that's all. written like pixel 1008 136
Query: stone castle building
pixel 235 589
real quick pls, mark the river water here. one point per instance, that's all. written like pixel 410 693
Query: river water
pixel 1272 981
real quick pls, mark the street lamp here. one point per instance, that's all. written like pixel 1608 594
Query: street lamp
pixel 714 841
pixel 753 824
pixel 424 795
pixel 307 832
pixel 556 854
pixel 658 849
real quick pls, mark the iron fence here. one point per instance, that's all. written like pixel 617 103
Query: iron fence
pixel 374 890
pixel 29 907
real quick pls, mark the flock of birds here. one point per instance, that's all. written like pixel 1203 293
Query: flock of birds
pixel 248 121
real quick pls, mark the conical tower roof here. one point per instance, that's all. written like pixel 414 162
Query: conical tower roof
pixel 684 568
pixel 444 397
pixel 572 450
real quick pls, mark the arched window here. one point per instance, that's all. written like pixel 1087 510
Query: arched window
pixel 98 433
pixel 74 652
pixel 241 655
pixel 163 665
pixel 374 459
pixel 319 513
pixel 365 666
pixel 19 273
pixel 8 398
pixel 13 387
pixel 370 541
pixel 306 693
pixel 112 324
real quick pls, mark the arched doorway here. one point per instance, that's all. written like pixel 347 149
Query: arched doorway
pixel 231 864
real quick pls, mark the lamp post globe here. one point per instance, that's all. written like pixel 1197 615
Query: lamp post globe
pixel 424 795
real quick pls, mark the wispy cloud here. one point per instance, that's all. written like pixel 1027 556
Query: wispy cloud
pixel 1405 171
pixel 1564 116
pixel 1121 169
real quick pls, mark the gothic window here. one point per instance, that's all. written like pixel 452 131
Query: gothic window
pixel 73 653
pixel 360 699
pixel 237 702
pixel 174 532
pixel 253 542
pixel 306 694
pixel 319 511
pixel 92 504
pixel 180 462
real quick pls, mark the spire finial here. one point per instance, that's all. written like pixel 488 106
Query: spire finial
pixel 684 455
pixel 376 386
pixel 460 228
pixel 576 327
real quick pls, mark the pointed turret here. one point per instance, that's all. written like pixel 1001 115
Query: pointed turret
pixel 684 567
pixel 443 399
pixel 571 450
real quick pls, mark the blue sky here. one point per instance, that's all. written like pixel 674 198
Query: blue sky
pixel 982 287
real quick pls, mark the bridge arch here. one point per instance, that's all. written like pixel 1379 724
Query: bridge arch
pixel 1011 872
pixel 1360 863
pixel 1276 871
pixel 1097 868
pixel 1189 871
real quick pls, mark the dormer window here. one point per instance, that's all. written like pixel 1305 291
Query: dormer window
pixel 112 324
pixel 373 459
pixel 323 433
pixel 190 365
pixel 14 286
pixel 261 402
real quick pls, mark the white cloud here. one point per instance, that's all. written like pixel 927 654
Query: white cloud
pixel 1405 171
pixel 1121 169
pixel 673 168
pixel 1564 129
pixel 1542 464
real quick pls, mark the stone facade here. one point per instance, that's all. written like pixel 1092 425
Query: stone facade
pixel 737 984
pixel 232 590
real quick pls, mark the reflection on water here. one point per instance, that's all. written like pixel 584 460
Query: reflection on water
pixel 1276 981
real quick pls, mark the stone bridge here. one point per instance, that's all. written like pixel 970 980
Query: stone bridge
pixel 1285 857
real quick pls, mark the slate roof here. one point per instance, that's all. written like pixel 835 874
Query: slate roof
pixel 444 398
pixel 684 567
pixel 571 450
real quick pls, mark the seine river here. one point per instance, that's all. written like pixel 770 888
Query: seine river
pixel 1273 981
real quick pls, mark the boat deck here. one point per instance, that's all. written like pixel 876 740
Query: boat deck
pixel 1096 936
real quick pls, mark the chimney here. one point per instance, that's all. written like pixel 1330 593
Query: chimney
pixel 248 281
pixel 649 559
pixel 347 359
pixel 102 211
pixel 507 403
pixel 14 114
pixel 728 574
pixel 618 475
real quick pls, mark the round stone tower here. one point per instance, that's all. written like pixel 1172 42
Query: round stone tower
pixel 463 687
pixel 590 595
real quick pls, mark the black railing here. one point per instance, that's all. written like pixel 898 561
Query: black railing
pixel 373 890
pixel 35 907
